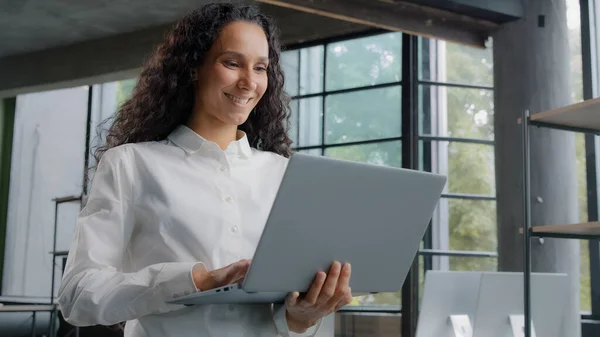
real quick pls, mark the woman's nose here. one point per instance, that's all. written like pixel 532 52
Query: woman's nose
pixel 247 81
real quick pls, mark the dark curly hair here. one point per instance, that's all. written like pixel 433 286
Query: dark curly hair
pixel 163 97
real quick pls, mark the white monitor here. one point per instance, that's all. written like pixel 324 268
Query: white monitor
pixel 501 296
pixel 482 304
pixel 446 294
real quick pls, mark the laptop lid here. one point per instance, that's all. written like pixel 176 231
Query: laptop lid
pixel 327 209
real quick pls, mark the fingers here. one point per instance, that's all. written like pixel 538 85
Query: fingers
pixel 243 264
pixel 200 276
pixel 344 280
pixel 230 274
pixel 340 305
pixel 330 286
pixel 239 270
pixel 292 299
pixel 328 293
pixel 343 294
pixel 346 299
pixel 315 289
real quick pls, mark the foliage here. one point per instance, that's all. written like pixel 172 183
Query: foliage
pixel 577 96
pixel 124 90
pixel 472 223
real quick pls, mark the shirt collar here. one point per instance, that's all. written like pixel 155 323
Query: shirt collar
pixel 191 142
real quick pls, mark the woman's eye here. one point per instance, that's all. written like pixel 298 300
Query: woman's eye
pixel 261 69
pixel 231 64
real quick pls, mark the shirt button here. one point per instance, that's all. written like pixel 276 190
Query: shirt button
pixel 234 229
pixel 231 307
pixel 222 168
pixel 229 200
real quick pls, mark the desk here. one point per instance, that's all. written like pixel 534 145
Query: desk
pixel 33 308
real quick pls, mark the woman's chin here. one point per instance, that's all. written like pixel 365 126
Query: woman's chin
pixel 237 119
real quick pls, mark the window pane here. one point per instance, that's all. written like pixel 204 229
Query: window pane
pixel 441 61
pixel 124 90
pixel 311 70
pixel 471 226
pixel 585 277
pixel 468 263
pixel 312 152
pixel 303 69
pixel 293 131
pixel 363 115
pixel 290 63
pixel 47 162
pixel 365 61
pixel 106 99
pixel 384 153
pixel 421 275
pixel 456 112
pixel 389 300
pixel 584 251
pixel 307 121
pixel 366 325
pixel 469 167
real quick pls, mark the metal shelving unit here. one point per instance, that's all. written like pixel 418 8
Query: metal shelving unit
pixel 55 254
pixel 580 117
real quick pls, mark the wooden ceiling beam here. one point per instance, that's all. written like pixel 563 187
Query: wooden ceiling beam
pixel 395 15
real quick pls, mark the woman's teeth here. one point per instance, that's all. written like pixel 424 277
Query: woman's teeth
pixel 238 99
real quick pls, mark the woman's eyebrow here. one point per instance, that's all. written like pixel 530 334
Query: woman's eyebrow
pixel 240 55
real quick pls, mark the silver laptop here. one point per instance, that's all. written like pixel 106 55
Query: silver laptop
pixel 326 210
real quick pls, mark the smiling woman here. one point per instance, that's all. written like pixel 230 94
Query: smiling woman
pixel 182 190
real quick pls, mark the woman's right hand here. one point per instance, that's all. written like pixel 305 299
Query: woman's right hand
pixel 231 274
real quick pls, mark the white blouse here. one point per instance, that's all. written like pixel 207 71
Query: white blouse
pixel 154 211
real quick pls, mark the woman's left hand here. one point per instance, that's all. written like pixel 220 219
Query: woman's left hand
pixel 328 293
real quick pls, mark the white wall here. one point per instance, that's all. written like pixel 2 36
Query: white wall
pixel 47 162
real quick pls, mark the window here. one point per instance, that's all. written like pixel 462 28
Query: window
pixel 47 162
pixel 357 115
pixel 106 99
pixel 364 62
pixel 347 104
pixel 574 26
pixel 456 139
pixel 584 21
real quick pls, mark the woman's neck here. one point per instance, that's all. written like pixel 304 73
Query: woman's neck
pixel 214 130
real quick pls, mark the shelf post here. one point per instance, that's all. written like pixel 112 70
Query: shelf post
pixel 53 312
pixel 526 222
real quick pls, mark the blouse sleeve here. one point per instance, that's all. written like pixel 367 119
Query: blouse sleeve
pixel 94 290
pixel 279 317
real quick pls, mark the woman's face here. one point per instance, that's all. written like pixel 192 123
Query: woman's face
pixel 233 77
